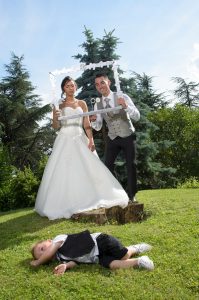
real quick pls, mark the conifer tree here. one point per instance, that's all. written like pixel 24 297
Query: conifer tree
pixel 151 173
pixel 20 112
pixel 91 55
pixel 187 93
pixel 95 50
pixel 149 96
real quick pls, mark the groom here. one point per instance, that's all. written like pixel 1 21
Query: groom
pixel 121 133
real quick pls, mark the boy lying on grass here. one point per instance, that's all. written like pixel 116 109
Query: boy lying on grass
pixel 84 247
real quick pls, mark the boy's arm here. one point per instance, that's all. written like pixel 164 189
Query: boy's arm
pixel 61 268
pixel 47 255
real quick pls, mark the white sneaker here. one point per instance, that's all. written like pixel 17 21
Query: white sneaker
pixel 140 248
pixel 145 262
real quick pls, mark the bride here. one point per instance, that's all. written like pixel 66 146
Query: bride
pixel 75 180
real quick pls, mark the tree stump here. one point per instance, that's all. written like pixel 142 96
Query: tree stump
pixel 134 212
pixel 97 215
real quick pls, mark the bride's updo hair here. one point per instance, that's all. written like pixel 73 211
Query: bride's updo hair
pixel 65 80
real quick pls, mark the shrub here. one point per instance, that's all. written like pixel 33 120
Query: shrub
pixel 6 197
pixel 20 191
pixel 191 183
pixel 41 166
pixel 25 186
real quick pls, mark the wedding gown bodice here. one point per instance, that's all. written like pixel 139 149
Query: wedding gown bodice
pixel 72 126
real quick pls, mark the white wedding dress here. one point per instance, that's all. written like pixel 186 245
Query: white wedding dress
pixel 75 180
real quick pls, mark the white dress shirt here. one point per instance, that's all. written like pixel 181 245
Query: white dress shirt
pixel 131 109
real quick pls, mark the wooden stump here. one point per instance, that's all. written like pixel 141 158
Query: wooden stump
pixel 134 212
pixel 97 215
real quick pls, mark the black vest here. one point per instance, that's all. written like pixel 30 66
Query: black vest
pixel 77 245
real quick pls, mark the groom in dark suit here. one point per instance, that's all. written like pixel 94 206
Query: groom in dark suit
pixel 121 133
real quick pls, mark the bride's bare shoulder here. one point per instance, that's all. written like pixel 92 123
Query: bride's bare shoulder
pixel 82 104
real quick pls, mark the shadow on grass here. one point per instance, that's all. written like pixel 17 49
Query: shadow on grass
pixel 82 268
pixel 23 225
pixel 13 230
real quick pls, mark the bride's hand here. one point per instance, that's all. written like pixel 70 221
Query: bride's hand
pixel 91 145
pixel 58 113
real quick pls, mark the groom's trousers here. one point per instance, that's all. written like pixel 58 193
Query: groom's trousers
pixel 128 146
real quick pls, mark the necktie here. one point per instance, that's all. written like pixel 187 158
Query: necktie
pixel 107 100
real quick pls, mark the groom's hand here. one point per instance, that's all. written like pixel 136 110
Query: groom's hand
pixel 122 102
pixel 93 118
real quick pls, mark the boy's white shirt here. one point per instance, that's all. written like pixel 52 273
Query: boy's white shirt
pixel 91 257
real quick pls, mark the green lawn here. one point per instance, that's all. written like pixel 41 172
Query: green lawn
pixel 171 227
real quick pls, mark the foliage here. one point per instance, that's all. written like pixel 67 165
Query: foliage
pixel 179 124
pixel 91 54
pixel 6 197
pixel 151 173
pixel 25 186
pixel 19 188
pixel 171 229
pixel 191 183
pixel 19 191
pixel 145 91
pixel 41 166
pixel 6 168
pixel 20 112
pixel 187 93
pixel 95 50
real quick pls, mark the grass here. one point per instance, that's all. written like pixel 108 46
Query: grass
pixel 171 228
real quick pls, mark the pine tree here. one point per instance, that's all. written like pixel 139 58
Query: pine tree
pixel 148 168
pixel 149 96
pixel 187 93
pixel 91 55
pixel 108 46
pixel 96 50
pixel 20 112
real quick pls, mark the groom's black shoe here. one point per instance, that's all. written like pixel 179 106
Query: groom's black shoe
pixel 133 200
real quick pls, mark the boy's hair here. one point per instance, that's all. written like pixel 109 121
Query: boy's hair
pixel 32 249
